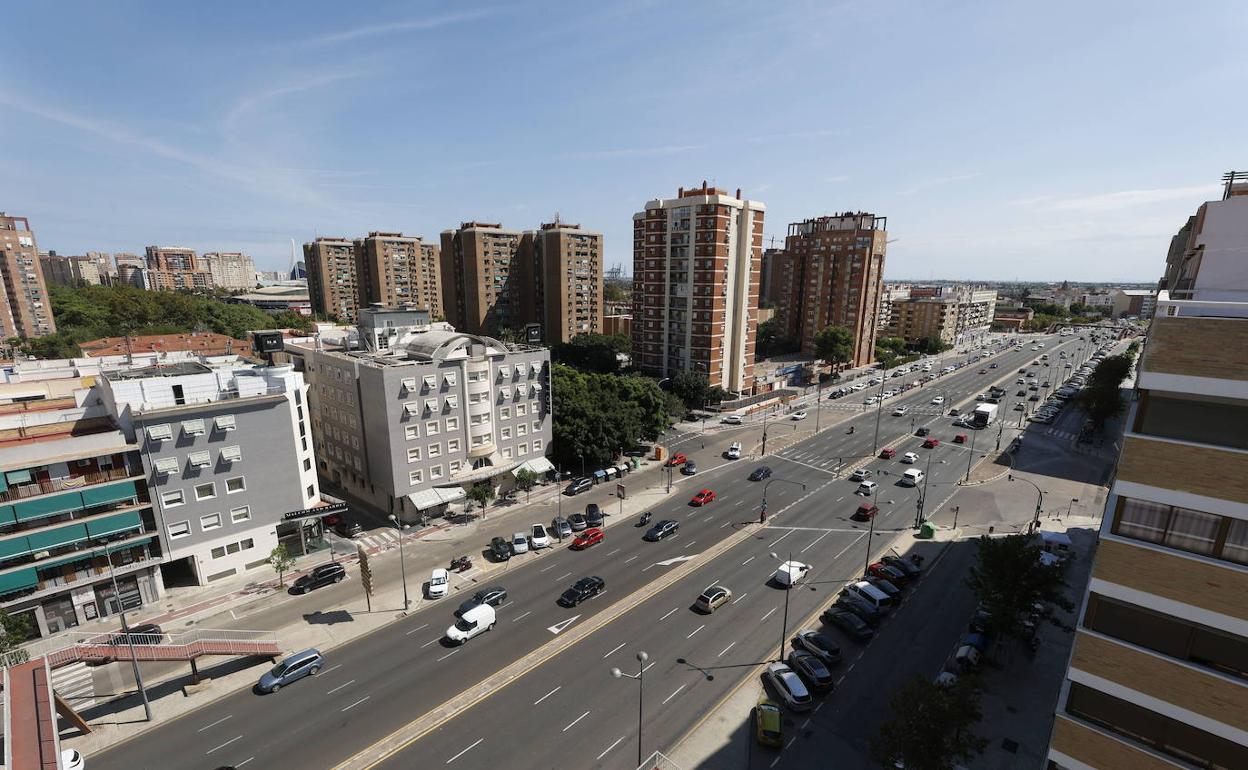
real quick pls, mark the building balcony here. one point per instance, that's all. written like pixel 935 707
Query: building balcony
pixel 1197 347
pixel 1093 747
pixel 1168 581
pixel 33 488
pixel 1184 467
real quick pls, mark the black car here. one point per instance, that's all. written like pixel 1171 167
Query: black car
pixel 585 588
pixel 500 549
pixel 689 468
pixel 143 633
pixel 662 530
pixel 1034 397
pixel 854 626
pixel 811 669
pixel 1021 393
pixel 922 431
pixel 850 603
pixel 593 515
pixel 760 473
pixel 491 596
pixel 886 586
pixel 319 577
pixel 911 569
pixel 579 486
pixel 818 645
pixel 577 522
pixel 348 528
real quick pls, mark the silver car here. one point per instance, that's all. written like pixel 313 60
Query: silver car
pixel 789 686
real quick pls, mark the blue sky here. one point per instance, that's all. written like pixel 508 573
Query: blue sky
pixel 1056 140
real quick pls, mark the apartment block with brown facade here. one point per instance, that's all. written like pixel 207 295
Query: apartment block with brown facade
pixel 25 310
pixel 568 286
pixel 398 271
pixel 696 261
pixel 333 281
pixel 1158 676
pixel 487 283
pixel 170 268
pixel 917 318
pixel 833 274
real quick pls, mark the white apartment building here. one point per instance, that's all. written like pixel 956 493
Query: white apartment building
pixel 231 270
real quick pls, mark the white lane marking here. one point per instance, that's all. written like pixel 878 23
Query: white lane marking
pixel 574 721
pixel 563 577
pixel 686 545
pixel 547 695
pixel 227 743
pixel 339 687
pixel 726 649
pixel 214 724
pixel 522 617
pixel 786 534
pixel 544 569
pixel 773 609
pixel 708 518
pixel 842 497
pixel 669 613
pixel 853 542
pixel 449 654
pixel 617 743
pixel 332 669
pixel 617 649
pixel 409 633
pixel 805 725
pixel 816 540
pixel 634 556
pixel 696 630
pixel 747 561
pixel 358 702
pixel 617 550
pixel 739 598
pixel 465 751
pixel 726 523
pixel 562 625
pixel 431 641
pixel 820 705
pixel 245 761
pixel 673 695
pixel 739 502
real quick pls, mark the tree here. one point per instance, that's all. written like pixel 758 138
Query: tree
pixel 930 726
pixel 481 494
pixel 281 561
pixel 592 352
pixel 771 340
pixel 14 630
pixel 525 481
pixel 599 414
pixel 1101 397
pixel 691 387
pixel 614 291
pixel 834 344
pixel 930 346
pixel 1009 578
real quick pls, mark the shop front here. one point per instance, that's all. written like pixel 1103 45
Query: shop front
pixel 303 531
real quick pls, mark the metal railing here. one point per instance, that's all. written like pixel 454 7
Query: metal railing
pixel 36 488
pixel 74 646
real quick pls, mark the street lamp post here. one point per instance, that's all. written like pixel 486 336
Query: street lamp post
pixel 125 629
pixel 642 657
pixel 879 410
pixel 875 503
pixel 1035 522
pixel 918 516
pixel 784 623
pixel 762 516
pixel 402 560
pixel 1070 505
pixel 971 458
pixel 763 453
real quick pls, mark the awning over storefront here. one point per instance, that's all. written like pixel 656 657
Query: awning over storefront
pixel 537 465
pixel 429 498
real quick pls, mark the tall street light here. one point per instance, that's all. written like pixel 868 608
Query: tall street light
pixel 762 514
pixel 402 559
pixel 879 410
pixel 875 503
pixel 784 623
pixel 125 629
pixel 1035 522
pixel 971 458
pixel 642 657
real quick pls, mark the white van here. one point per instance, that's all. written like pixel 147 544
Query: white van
pixel 912 477
pixel 881 601
pixel 439 582
pixel 475 621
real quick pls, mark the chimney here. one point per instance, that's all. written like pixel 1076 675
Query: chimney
pixel 680 192
pixel 738 193
pixel 704 187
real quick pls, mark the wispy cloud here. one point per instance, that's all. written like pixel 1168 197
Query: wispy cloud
pixel 257 99
pixel 631 152
pixel 1121 200
pixel 816 134
pixel 927 184
pixel 394 27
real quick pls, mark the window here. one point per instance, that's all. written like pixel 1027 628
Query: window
pixel 523 449
pixel 411 432
pixel 167 465
pixel 415 477
pixel 504 392
pixel 521 410
pixel 310 492
pixel 226 422
pixel 452 402
pixel 205 491
pixel 232 548
pixel 1168 635
pixel 1143 520
pixel 506 433
pixel 241 513
pixel 1236 546
pixel 431 428
pixel 435 472
pixel 537 426
pixel 193 427
pixel 1183 529
pixel 452 423
pixel 522 430
pixel 431 405
pixel 1192 530
pixel 430 380
pixel 307 463
pixel 480 419
pixel 449 379
pixel 412 408
pixel 235 484
pixel 218 552
pixel 507 453
pixel 232 454
pixel 159 432
pixel 249 543
pixel 172 499
pixel 435 450
pixel 408 383
pixel 452 445
pixel 179 529
pixel 200 459
pixel 413 454
pixel 454 466
pixel 504 413
pixel 210 522
pixel 537 445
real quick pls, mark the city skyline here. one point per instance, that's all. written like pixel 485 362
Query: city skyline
pixel 260 142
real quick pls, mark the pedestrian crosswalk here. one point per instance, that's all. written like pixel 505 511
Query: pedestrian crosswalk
pixel 380 539
pixel 1063 434
pixel 76 684
pixel 810 459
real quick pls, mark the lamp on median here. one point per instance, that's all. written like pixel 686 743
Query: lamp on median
pixel 402 564
pixel 642 657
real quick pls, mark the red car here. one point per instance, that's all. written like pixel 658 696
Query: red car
pixel 888 454
pixel 676 459
pixel 891 574
pixel 960 438
pixel 703 497
pixel 587 538
pixel 931 443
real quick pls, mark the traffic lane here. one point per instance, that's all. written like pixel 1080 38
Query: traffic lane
pixel 575 693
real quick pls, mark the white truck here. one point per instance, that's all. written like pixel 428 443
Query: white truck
pixel 984 415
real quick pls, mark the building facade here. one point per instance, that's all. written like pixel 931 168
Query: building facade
pixel 696 260
pixel 333 280
pixel 1158 676
pixel 1139 303
pixel 395 270
pixel 920 318
pixel 25 310
pixel 61 270
pixel 485 278
pixel 976 311
pixel 230 270
pixel 567 286
pixel 888 296
pixel 170 268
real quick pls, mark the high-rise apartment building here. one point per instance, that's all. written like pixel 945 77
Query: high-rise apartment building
pixel 170 268
pixel 25 310
pixel 333 281
pixel 485 278
pixel 230 270
pixel 105 266
pixel 888 296
pixel 567 286
pixel 69 271
pixel 696 260
pixel 920 318
pixel 783 272
pixel 397 271
pixel 131 269
pixel 1158 676
pixel 837 277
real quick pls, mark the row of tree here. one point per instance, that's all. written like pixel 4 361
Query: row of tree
pixel 597 415
pixel 1101 397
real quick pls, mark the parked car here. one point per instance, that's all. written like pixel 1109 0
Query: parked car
pixel 500 549
pixel 768 723
pixel 439 583
pixel 858 606
pixel 712 598
pixel 676 459
pixel 661 530
pixel 812 671
pixel 589 537
pixel 295 667
pixel 578 486
pixel 577 522
pixel 703 497
pixel 520 543
pixel 789 687
pixel 760 473
pixel 320 576
pixel 538 538
pixel 593 516
pixel 850 622
pixel 884 585
pixel 731 419
pixel 346 528
pixel 689 468
pixel 585 588
pixel 818 645
pixel 911 569
pixel 560 528
pixel 880 569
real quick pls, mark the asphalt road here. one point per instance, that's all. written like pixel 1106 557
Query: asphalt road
pixel 376 684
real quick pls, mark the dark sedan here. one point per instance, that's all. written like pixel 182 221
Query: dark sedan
pixel 818 645
pixel 500 549
pixel 593 516
pixel 922 431
pixel 491 596
pixel 585 588
pixel 661 530
pixel 853 626
pixel 760 473
pixel 911 569
pixel 812 670
pixel 850 603
pixel 319 577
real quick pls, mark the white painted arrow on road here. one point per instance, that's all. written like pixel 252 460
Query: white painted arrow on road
pixel 670 562
pixel 563 624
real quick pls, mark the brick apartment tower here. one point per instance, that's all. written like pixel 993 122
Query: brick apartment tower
pixel 696 261
pixel 837 278
pixel 485 278
pixel 396 271
pixel 568 290
pixel 175 267
pixel 25 311
pixel 333 285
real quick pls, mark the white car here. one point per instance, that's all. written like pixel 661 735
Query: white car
pixel 910 458
pixel 731 419
pixel 439 583
pixel 858 386
pixel 799 416
pixel 539 538
pixel 862 474
pixel 900 411
pixel 866 488
pixel 734 450
pixel 790 573
pixel 938 400
pixel 870 400
pixel 789 687
pixel 520 543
